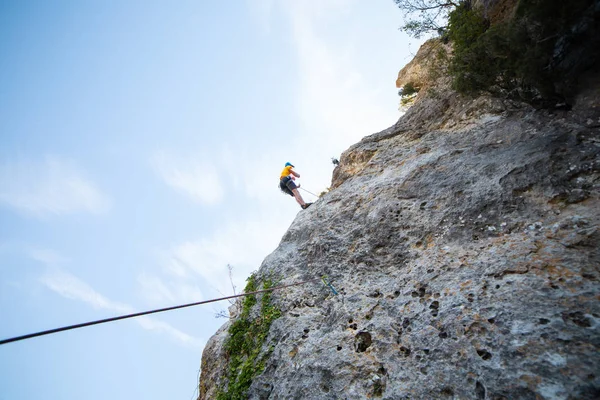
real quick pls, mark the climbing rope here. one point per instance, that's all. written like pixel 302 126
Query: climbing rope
pixel 139 314
pixel 325 280
pixel 308 191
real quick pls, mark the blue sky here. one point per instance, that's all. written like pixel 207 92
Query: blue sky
pixel 140 146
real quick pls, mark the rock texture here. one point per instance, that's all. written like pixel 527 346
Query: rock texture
pixel 419 70
pixel 464 243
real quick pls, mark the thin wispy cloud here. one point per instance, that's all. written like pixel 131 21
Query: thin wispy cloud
pixel 168 288
pixel 200 181
pixel 155 290
pixel 52 186
pixel 160 326
pixel 71 287
pixel 46 256
pixel 242 244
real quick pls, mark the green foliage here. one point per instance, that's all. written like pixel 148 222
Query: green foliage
pixel 513 58
pixel 249 301
pixel 245 341
pixel 467 66
pixel 425 16
pixel 407 93
pixel 465 25
pixel 518 58
pixel 408 89
pixel 417 29
pixel 269 312
pixel 324 192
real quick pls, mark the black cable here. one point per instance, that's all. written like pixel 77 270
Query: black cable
pixel 101 321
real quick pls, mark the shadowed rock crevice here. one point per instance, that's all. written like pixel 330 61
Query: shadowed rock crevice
pixel 362 342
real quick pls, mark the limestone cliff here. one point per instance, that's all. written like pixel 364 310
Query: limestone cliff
pixel 464 244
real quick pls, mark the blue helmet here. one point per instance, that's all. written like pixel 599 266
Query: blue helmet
pixel 289 164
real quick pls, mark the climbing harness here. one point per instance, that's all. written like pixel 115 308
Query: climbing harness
pixel 139 314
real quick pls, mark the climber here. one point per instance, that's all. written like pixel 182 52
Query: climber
pixel 287 185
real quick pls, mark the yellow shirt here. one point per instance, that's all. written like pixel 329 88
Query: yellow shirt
pixel 286 171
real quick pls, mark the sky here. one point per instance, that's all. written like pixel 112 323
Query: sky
pixel 140 149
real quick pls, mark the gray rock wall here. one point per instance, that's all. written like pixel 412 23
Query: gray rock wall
pixel 464 242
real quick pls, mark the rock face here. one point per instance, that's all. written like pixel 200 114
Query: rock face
pixel 464 244
pixel 418 71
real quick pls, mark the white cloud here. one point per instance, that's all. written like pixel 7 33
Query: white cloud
pixel 241 243
pixel 160 326
pixel 71 287
pixel 172 289
pixel 199 180
pixel 46 256
pixel 154 289
pixel 52 186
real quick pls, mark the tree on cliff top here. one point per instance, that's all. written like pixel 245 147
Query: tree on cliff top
pixel 426 16
pixel 533 55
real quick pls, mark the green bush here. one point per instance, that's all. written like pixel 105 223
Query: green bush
pixel 469 62
pixel 407 93
pixel 408 90
pixel 513 58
